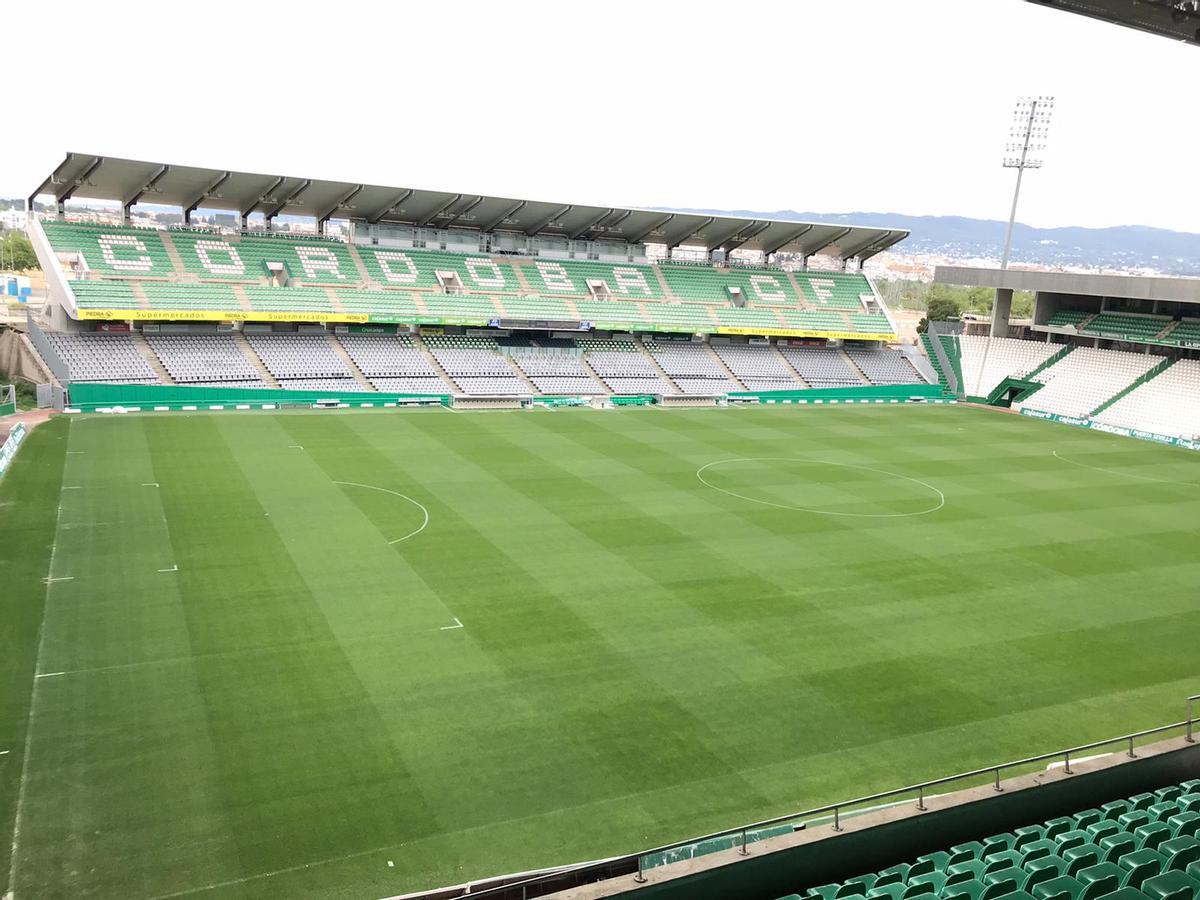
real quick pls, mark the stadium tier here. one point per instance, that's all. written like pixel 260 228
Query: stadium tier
pixel 1141 848
pixel 264 276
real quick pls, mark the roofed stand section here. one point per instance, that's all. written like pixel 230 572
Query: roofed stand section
pixel 306 278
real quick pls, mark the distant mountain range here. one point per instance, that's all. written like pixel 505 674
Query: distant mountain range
pixel 1123 247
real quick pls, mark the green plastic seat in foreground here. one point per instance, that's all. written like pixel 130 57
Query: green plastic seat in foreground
pixel 1171 886
pixel 1057 888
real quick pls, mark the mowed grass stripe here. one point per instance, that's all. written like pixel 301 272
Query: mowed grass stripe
pixel 101 732
pixel 28 512
pixel 307 770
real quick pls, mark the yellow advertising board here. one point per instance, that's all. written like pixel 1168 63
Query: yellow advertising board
pixel 204 315
pixel 809 333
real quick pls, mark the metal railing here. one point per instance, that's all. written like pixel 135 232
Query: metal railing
pixel 633 863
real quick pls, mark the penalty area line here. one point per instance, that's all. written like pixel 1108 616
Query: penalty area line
pixel 457 624
pixel 174 568
pixel 49 674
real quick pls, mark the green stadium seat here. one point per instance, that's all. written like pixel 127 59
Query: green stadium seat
pixel 918 889
pixel 1028 834
pixel 1038 849
pixel 1068 839
pixel 1125 893
pixel 1150 835
pixel 1081 857
pixel 1001 859
pixel 1102 829
pixel 1179 852
pixel 891 891
pixel 1184 824
pixel 1042 869
pixel 1140 865
pixel 1086 818
pixel 896 874
pixel 1174 885
pixel 1162 810
pixel 1098 880
pixel 929 862
pixel 1142 801
pixel 1006 874
pixel 1169 793
pixel 1114 846
pixel 1057 889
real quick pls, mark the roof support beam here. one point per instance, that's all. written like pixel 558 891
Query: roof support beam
pixel 262 198
pixel 589 225
pixel 70 187
pixel 499 220
pixel 829 243
pixel 328 214
pixel 876 242
pixel 538 226
pixel 464 211
pixel 136 196
pixel 673 244
pixel 192 205
pixel 438 211
pixel 293 197
pixel 729 235
pixel 46 186
pixel 391 206
pixel 611 226
pixel 744 236
pixel 658 223
pixel 768 249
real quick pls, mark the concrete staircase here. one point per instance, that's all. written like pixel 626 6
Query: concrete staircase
pixel 662 373
pixel 432 360
pixel 350 363
pixel 724 368
pixel 359 265
pixel 862 376
pixel 172 252
pixel 523 378
pixel 139 293
pixel 139 341
pixel 248 352
pixel 790 367
pixel 587 367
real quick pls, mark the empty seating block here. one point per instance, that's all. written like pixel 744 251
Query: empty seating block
pixel 706 284
pixel 843 290
pixel 1169 403
pixel 1129 326
pixel 93 356
pixel 404 267
pixel 884 365
pixel 758 367
pixel 987 361
pixel 821 367
pixel 624 369
pixel 288 299
pixel 112 249
pixel 475 365
pixel 1065 317
pixel 693 368
pixel 300 357
pixel 558 373
pixel 216 297
pixel 394 364
pixel 623 281
pixel 1052 861
pixel 104 295
pixel 203 358
pixel 1086 377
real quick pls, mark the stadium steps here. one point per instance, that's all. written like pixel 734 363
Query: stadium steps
pixel 1132 386
pixel 143 347
pixel 523 378
pixel 172 252
pixel 805 300
pixel 724 368
pixel 437 366
pixel 1032 376
pixel 242 299
pixel 953 349
pixel 419 302
pixel 346 357
pixel 498 302
pixel 662 373
pixel 526 287
pixel 139 293
pixel 248 352
pixel 587 367
pixel 662 283
pixel 787 365
pixel 932 356
pixel 335 301
pixel 862 376
pixel 1166 331
pixel 359 265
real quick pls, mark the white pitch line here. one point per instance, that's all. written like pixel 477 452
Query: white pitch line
pixel 3 753
pixel 417 504
pixel 1073 462
pixel 149 484
pixel 72 487
pixel 457 624
pixel 295 447
pixel 49 674
pixel 820 512
pixel 174 568
pixel 49 581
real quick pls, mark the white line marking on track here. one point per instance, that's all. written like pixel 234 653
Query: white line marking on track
pixel 174 568
pixel 49 674
pixel 417 504
pixel 1073 462
pixel 457 624
pixel 941 497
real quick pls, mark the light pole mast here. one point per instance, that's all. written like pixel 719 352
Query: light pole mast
pixel 1027 140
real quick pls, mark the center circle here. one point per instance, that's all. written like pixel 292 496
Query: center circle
pixel 821 487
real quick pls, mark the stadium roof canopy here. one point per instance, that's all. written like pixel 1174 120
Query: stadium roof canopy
pixel 130 181
pixel 1133 287
pixel 1178 19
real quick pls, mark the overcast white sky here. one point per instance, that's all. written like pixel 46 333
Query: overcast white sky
pixel 871 105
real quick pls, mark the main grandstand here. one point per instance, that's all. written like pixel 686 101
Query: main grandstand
pixel 443 294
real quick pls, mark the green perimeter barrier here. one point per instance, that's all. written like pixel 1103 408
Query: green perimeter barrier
pixel 8 399
pixel 89 397
pixel 1119 430
pixel 867 393
pixel 634 400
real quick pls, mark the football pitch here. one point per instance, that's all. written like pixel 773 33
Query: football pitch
pixel 358 654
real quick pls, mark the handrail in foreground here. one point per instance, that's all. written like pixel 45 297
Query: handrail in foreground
pixel 633 863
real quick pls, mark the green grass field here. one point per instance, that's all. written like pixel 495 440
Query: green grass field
pixel 851 599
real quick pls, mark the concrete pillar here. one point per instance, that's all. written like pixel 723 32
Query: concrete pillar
pixel 1001 307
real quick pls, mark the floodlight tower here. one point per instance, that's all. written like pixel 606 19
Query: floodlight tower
pixel 1026 141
